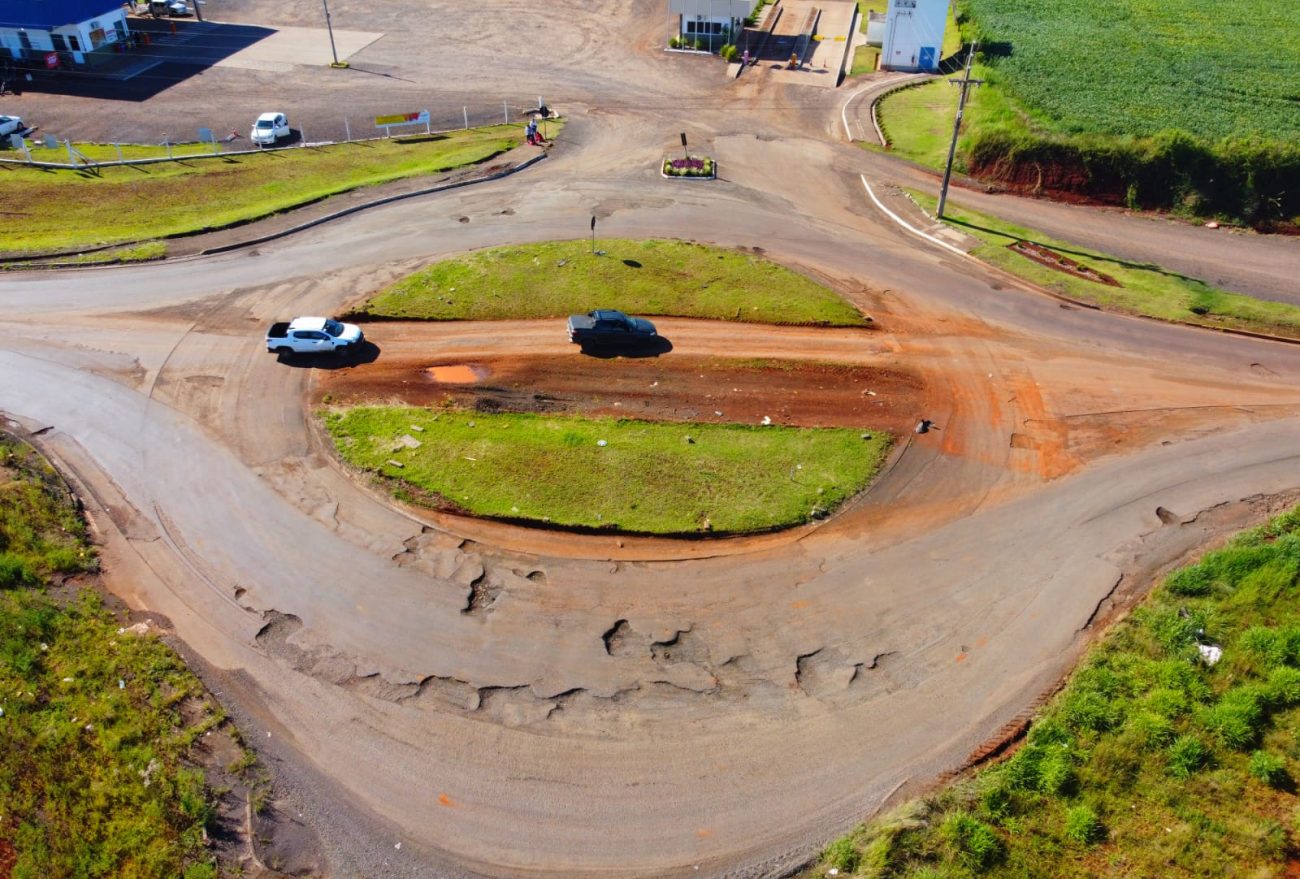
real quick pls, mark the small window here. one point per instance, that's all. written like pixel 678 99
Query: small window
pixel 60 44
pixel 74 43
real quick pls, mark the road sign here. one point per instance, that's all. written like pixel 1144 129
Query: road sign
pixel 205 136
pixel 419 118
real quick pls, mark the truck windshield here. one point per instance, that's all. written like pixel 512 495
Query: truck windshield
pixel 334 328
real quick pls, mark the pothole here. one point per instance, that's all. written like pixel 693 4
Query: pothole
pixel 458 373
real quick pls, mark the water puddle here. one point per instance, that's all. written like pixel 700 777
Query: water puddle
pixel 458 373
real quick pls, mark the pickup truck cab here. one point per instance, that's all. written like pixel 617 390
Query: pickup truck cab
pixel 608 327
pixel 313 335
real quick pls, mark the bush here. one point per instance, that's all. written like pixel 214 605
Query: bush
pixel 1084 826
pixel 1187 755
pixel 15 572
pixel 973 842
pixel 1056 773
pixel 675 43
pixel 1269 768
pixel 1236 720
pixel 1283 687
pixel 728 52
pixel 842 854
pixel 1195 580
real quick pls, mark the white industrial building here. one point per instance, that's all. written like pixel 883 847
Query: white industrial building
pixel 715 22
pixel 61 32
pixel 911 36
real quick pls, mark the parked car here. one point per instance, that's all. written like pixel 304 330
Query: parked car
pixel 608 327
pixel 11 125
pixel 313 335
pixel 269 128
pixel 174 8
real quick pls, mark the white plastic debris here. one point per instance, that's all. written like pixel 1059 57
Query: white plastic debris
pixel 44 646
pixel 717 413
pixel 601 443
pixel 1210 653
pixel 67 680
pixel 767 419
pixel 833 871
pixel 121 684
pixel 397 846
pixel 2 712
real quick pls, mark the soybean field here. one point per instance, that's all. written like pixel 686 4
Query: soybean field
pixel 1211 68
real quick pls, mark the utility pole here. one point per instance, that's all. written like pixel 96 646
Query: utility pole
pixel 965 82
pixel 329 27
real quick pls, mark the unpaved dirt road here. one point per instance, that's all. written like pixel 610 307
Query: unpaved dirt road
pixel 504 702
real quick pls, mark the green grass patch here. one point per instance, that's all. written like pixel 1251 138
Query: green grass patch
pixel 1146 290
pixel 1150 762
pixel 558 278
pixel 51 210
pixel 917 121
pixel 648 477
pixel 97 726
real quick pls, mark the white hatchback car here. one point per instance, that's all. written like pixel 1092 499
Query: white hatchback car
pixel 11 125
pixel 269 128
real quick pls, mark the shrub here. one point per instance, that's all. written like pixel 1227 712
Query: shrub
pixel 1283 687
pixel 15 572
pixel 842 854
pixel 728 52
pixel 1195 580
pixel 1084 826
pixel 973 842
pixel 1151 730
pixel 1092 712
pixel 1187 755
pixel 1056 773
pixel 1235 721
pixel 1268 768
pixel 675 43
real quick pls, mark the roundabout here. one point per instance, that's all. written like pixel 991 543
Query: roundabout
pixel 504 701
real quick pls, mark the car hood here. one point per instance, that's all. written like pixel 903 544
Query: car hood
pixel 351 333
pixel 641 325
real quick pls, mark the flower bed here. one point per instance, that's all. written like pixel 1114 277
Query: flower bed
pixel 690 166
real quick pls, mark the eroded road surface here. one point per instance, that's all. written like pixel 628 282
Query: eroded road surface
pixel 508 702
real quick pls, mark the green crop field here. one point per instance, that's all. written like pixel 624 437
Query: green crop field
pixel 1212 68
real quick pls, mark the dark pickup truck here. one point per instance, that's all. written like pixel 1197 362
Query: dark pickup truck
pixel 608 327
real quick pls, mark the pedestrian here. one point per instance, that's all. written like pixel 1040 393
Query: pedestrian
pixel 744 58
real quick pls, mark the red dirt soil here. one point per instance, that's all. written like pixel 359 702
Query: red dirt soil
pixel 666 388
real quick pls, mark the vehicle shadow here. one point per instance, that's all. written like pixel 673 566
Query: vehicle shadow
pixel 366 352
pixel 654 348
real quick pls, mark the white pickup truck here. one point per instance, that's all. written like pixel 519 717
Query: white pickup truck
pixel 313 335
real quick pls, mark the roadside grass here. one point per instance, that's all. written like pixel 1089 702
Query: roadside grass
pixel 96 724
pixel 143 252
pixel 1145 290
pixel 653 478
pixel 917 121
pixel 51 210
pixel 656 277
pixel 1150 762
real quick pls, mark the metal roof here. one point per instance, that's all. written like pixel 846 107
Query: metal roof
pixel 48 14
